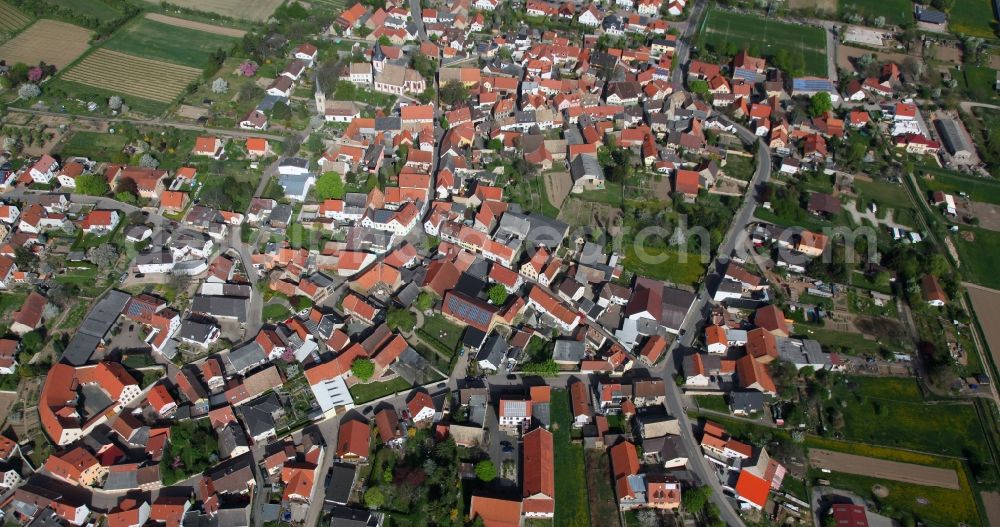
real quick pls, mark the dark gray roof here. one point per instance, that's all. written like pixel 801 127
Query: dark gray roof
pixel 493 350
pixel 749 402
pixel 221 306
pixel 351 517
pixel 93 329
pixel 341 479
pixel 195 331
pixel 569 350
pixel 244 357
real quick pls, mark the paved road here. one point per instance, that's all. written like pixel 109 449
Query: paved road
pixel 683 43
pixel 689 328
pixel 418 19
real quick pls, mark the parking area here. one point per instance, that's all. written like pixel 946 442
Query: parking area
pixel 504 450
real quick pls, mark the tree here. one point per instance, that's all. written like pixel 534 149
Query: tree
pixel 425 300
pixel 820 103
pixel 363 369
pixel 220 85
pixel 24 258
pixel 115 102
pixel 486 471
pixel 374 498
pixel 699 87
pixel 454 92
pixel 281 111
pixel 694 500
pixel 32 342
pixel 400 318
pixel 328 75
pixel 29 91
pixel 495 145
pixel 147 160
pixel 647 518
pixel 424 65
pixel 91 185
pixel 103 256
pixel 330 186
pixel 498 294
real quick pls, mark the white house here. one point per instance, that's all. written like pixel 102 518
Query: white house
pixel 44 170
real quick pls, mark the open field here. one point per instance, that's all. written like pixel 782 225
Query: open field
pixel 932 505
pixel 892 412
pixel 978 256
pixel 895 11
pixel 880 468
pixel 986 303
pixel 200 26
pixel 36 44
pixel 257 11
pixel 157 40
pixel 94 145
pixel 557 186
pixel 91 8
pixel 972 17
pixel 721 27
pixel 11 19
pixel 978 189
pixel 130 75
pixel 823 5
pixel 665 264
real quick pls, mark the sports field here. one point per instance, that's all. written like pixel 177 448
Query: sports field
pixel 130 75
pixel 972 17
pixel 257 10
pixel 895 12
pixel 156 40
pixel 41 43
pixel 11 19
pixel 722 27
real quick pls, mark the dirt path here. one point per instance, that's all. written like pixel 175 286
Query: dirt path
pixel 880 468
pixel 991 502
pixel 852 209
pixel 200 26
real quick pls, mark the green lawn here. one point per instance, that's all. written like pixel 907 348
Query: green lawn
pixel 605 508
pixel 943 506
pixel 666 265
pixel 884 194
pixel 75 316
pixel 977 82
pixel 979 256
pixel 94 145
pixel 156 40
pixel 895 11
pixel 856 342
pixel 438 329
pixel 805 220
pixel 275 312
pixel 364 393
pixel 73 96
pixel 91 8
pixel 721 27
pixel 892 412
pixel 715 403
pixel 972 17
pixel 571 491
pixel 347 91
pixel 979 189
pixel 11 301
pixel 612 195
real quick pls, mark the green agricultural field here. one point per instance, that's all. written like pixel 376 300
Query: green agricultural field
pixel 979 257
pixel 978 189
pixel 94 145
pixel 892 412
pixel 178 45
pixel 896 12
pixel 977 82
pixel 91 8
pixel 722 27
pixel 972 17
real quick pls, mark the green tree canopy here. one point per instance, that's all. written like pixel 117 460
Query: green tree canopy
pixel 486 470
pixel 374 498
pixel 363 369
pixel 820 104
pixel 330 186
pixel 498 294
pixel 400 318
pixel 454 92
pixel 425 300
pixel 91 185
